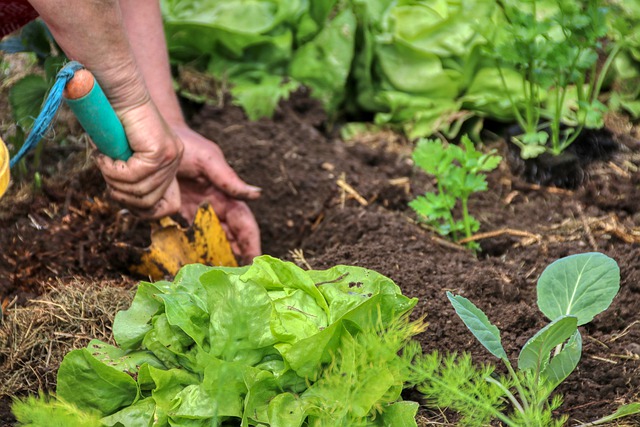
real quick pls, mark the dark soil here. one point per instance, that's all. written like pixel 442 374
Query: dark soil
pixel 71 229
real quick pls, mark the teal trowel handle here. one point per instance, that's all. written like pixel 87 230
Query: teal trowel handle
pixel 90 105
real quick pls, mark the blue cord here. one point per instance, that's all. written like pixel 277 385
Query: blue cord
pixel 49 109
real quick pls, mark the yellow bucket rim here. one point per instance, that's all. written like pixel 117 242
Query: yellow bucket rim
pixel 4 168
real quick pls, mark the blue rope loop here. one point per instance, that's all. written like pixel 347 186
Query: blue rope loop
pixel 49 110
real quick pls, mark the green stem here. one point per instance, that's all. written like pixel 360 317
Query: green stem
pixel 509 395
pixel 529 105
pixel 514 107
pixel 465 216
pixel 454 233
pixel 555 122
pixel 604 71
pixel 518 384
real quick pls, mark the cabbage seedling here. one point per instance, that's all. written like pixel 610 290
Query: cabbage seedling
pixel 571 292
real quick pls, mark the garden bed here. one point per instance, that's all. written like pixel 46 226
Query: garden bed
pixel 335 202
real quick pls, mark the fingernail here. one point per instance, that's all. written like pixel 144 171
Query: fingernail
pixel 253 189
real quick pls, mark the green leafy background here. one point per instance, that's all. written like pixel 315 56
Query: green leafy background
pixel 416 64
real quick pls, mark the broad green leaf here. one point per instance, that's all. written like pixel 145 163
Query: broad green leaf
pixel 224 386
pixel 346 287
pixel 26 96
pixel 297 316
pixel 92 385
pixel 166 386
pixel 240 314
pixel 189 276
pixel 324 63
pixel 308 364
pixel 564 362
pixel 418 73
pixel 479 325
pixel 130 326
pixel 535 353
pixel 580 285
pixel 490 96
pixel 286 410
pixel 141 414
pixel 274 274
pixel 259 97
pixel 259 395
pixel 125 361
pixel 188 312
pixel 399 414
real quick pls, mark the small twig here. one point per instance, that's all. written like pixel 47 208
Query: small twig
pixel 512 195
pixel 342 183
pixel 552 190
pixel 497 233
pixel 625 331
pixel 627 356
pixel 287 178
pixel 604 359
pixel 618 170
pixel 597 341
pixel 448 244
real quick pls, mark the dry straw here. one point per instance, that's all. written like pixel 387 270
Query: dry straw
pixel 34 338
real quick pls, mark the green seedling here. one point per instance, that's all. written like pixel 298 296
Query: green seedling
pixel 459 172
pixel 555 50
pixel 571 292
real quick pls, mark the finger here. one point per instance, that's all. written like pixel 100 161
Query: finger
pixel 157 203
pixel 226 179
pixel 134 172
pixel 244 229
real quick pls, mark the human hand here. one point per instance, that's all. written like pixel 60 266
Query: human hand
pixel 146 183
pixel 205 176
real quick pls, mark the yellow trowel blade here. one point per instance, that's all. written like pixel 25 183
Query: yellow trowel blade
pixel 4 168
pixel 172 246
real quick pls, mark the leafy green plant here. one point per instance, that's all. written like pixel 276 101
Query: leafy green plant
pixel 27 94
pixel 265 345
pixel 459 173
pixel 624 29
pixel 571 292
pixel 554 46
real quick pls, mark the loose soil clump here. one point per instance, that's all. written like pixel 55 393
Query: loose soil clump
pixel 328 202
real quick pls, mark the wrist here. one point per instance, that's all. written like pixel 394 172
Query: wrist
pixel 124 86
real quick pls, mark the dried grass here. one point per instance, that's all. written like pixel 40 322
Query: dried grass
pixel 34 338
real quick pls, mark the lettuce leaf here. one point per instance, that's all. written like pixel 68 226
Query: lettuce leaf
pixel 267 345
